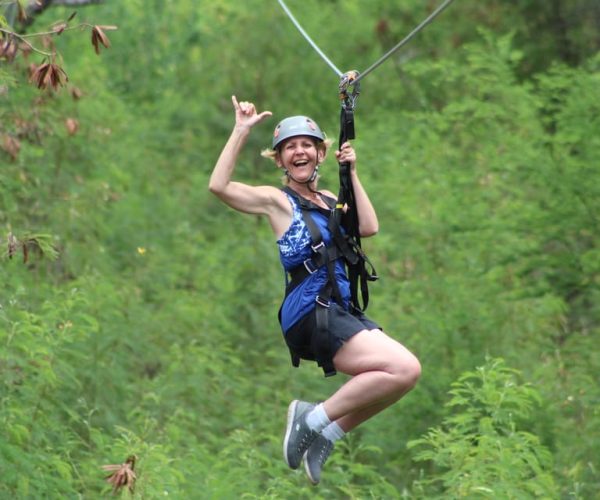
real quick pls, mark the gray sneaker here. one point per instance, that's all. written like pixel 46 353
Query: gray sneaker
pixel 298 436
pixel 315 457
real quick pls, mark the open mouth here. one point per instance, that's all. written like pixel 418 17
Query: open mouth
pixel 300 163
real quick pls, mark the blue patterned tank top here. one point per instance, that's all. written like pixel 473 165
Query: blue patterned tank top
pixel 294 249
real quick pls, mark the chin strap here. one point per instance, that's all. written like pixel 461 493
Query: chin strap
pixel 307 182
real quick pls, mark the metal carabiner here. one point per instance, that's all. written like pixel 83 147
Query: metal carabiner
pixel 347 82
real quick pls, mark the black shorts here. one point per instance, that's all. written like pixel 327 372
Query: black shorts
pixel 342 325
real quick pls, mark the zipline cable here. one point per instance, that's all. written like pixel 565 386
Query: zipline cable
pixel 309 40
pixel 383 58
pixel 407 39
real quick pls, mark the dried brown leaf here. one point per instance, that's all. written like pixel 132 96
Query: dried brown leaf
pixel 76 93
pixel 58 28
pixel 39 73
pixel 123 474
pixel 8 49
pixel 11 145
pixel 22 13
pixel 72 125
pixel 13 245
pixel 111 467
pixel 49 75
pixel 99 38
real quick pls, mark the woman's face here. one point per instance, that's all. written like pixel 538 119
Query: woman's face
pixel 299 156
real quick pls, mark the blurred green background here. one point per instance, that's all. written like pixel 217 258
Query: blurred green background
pixel 154 331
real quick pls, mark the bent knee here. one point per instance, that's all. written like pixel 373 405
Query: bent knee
pixel 406 371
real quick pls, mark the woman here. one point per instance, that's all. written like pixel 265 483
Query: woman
pixel 382 370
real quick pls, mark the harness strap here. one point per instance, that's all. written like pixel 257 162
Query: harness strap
pixel 341 246
pixel 311 266
pixel 321 342
pixel 323 252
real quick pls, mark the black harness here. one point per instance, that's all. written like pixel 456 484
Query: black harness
pixel 342 246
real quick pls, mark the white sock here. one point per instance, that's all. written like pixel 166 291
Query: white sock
pixel 317 419
pixel 333 432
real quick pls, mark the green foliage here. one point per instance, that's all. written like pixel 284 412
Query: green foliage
pixel 154 333
pixel 480 450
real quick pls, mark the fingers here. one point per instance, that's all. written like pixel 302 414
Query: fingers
pixel 247 108
pixel 345 150
pixel 263 115
pixel 346 153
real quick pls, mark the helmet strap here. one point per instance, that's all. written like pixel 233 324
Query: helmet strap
pixel 307 182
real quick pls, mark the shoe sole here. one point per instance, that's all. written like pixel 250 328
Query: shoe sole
pixel 290 424
pixel 307 470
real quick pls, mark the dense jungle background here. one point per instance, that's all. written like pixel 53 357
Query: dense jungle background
pixel 138 315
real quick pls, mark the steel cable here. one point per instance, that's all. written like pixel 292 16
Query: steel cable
pixel 383 58
pixel 309 39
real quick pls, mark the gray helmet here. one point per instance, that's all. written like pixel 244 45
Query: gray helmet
pixel 294 126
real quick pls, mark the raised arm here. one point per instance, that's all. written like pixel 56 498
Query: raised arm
pixel 242 197
pixel 368 225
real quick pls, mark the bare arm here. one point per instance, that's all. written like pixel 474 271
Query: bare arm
pixel 368 224
pixel 242 197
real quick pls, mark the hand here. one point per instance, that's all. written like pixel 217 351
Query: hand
pixel 246 115
pixel 346 155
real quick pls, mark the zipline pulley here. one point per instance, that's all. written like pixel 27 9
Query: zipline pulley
pixel 349 90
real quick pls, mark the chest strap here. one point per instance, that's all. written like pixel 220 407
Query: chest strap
pixel 323 255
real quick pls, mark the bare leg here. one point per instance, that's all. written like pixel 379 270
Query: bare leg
pixel 383 371
pixel 352 420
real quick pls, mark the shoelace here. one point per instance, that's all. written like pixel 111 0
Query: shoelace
pixel 304 442
pixel 325 451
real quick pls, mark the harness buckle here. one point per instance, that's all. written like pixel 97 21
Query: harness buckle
pixel 310 266
pixel 322 302
pixel 318 246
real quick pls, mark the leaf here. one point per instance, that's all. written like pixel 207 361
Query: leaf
pixel 76 93
pixel 38 74
pixel 123 474
pixel 49 75
pixel 58 28
pixel 13 244
pixel 100 38
pixel 8 49
pixel 22 13
pixel 11 145
pixel 72 125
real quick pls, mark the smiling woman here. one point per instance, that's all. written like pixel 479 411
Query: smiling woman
pixel 318 318
pixel 321 146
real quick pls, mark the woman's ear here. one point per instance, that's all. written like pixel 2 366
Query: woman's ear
pixel 321 154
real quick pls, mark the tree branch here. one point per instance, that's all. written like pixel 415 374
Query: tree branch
pixel 35 7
